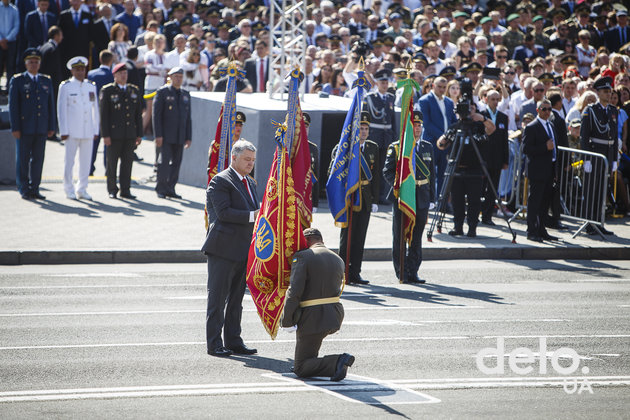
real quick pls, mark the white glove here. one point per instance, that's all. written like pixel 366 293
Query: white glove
pixel 290 329
pixel 588 167
pixel 614 166
pixel 431 206
pixel 315 209
pixel 374 208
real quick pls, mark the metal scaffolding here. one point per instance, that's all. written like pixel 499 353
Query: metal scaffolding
pixel 288 44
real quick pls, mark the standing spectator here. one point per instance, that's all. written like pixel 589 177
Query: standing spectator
pixel 37 24
pixel 232 205
pixel 156 70
pixel 9 29
pixel 32 115
pixel 102 29
pixel 173 131
pixel 75 23
pixel 618 36
pixel 121 129
pixel 257 68
pixel 131 21
pixel 101 76
pixel 193 81
pixel 119 43
pixel 51 57
pixel 172 57
pixel 77 112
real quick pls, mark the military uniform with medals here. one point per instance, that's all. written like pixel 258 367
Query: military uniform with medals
pixel 425 195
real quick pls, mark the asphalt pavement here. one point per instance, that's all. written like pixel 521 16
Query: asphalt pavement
pixel 62 231
pixel 127 341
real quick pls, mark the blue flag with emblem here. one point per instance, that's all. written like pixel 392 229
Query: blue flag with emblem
pixel 345 175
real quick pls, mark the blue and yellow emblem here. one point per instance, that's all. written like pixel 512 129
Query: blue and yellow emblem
pixel 265 240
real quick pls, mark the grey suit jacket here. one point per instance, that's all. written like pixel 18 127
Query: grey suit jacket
pixel 228 203
pixel 316 273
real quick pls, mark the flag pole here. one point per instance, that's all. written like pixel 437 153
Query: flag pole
pixel 348 238
pixel 402 247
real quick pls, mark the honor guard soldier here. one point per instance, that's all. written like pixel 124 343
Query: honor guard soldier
pixel 312 147
pixel 425 196
pixel 598 134
pixel 239 120
pixel 173 131
pixel 369 196
pixel 32 115
pixel 380 106
pixel 121 129
pixel 77 111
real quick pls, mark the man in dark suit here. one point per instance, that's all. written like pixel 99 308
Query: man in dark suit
pixel 76 27
pixel 58 6
pixel 528 51
pixel 101 76
pixel 33 117
pixel 24 8
pixel 562 139
pixel 497 153
pixel 37 23
pixel 618 36
pixel 101 31
pixel 540 147
pixel 51 58
pixel 173 131
pixel 121 129
pixel 256 67
pixel 312 304
pixel 232 205
pixel 314 151
pixel 439 113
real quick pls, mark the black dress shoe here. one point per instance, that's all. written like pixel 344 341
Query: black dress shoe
pixel 411 279
pixel 137 158
pixel 27 196
pixel 242 349
pixel 472 232
pixel 358 280
pixel 548 237
pixel 220 352
pixel 605 231
pixel 37 196
pixel 488 222
pixel 174 195
pixel 112 195
pixel 534 238
pixel 344 361
pixel 128 195
pixel 556 225
pixel 160 195
pixel 456 232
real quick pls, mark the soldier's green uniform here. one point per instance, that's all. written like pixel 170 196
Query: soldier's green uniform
pixel 512 39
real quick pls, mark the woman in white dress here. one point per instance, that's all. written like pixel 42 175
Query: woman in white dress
pixel 120 42
pixel 585 53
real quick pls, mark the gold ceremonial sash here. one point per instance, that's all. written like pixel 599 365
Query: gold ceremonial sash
pixel 322 301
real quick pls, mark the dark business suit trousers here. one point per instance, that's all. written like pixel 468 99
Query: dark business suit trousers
pixel 413 253
pixel 29 161
pixel 226 287
pixel 441 161
pixel 360 222
pixel 306 363
pixel 8 57
pixel 466 186
pixel 169 162
pixel 537 204
pixel 123 150
pixel 487 209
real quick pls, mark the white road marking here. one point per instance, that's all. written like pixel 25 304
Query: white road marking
pixel 293 385
pixel 292 340
pixel 97 286
pixel 93 275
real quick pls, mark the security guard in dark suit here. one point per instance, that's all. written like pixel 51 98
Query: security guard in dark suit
pixel 121 129
pixel 314 163
pixel 598 134
pixel 369 195
pixel 33 118
pixel 173 131
pixel 312 304
pixel 425 196
pixel 380 105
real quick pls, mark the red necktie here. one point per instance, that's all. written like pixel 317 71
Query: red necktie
pixel 247 188
pixel 261 76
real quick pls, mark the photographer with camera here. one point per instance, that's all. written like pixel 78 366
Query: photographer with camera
pixel 468 176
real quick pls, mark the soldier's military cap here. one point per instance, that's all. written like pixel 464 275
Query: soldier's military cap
pixel 485 19
pixel 378 42
pixel 176 70
pixel 335 39
pixel 460 14
pixel 441 6
pixel 529 116
pixel 417 117
pixel 382 74
pixel 224 25
pixel 541 5
pixel 77 61
pixel 474 66
pixel 186 22
pixel 512 17
pixel 432 33
pixel 575 123
pixel 557 12
pixel 213 11
pixel 249 7
pixel 32 53
pixel 179 6
pixel 420 58
pixel 388 40
pixel 546 77
pixel 240 117
pixel 447 71
pixel 537 18
pixel 258 26
pixel 365 118
pixel 400 73
pixel 536 63
pixel 500 5
pixel 603 83
pixel 307 118
pixel 119 67
pixel 395 15
pixel 583 9
pixel 569 60
pixel 622 12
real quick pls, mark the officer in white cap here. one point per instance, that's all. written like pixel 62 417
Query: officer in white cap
pixel 78 116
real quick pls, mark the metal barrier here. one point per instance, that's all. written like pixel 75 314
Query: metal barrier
pixel 513 179
pixel 583 183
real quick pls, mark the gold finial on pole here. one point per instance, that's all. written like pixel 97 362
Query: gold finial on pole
pixel 408 67
pixel 361 64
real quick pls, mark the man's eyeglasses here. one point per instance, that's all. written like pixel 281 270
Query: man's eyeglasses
pixel 539 90
pixel 545 109
pixel 502 57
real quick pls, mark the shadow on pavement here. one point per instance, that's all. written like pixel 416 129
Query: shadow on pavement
pixel 465 293
pixel 588 267
pixel 376 299
pixel 259 362
pixel 62 208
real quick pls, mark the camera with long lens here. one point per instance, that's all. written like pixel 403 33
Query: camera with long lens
pixel 361 49
pixel 465 101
